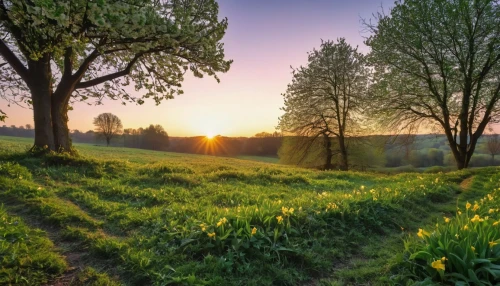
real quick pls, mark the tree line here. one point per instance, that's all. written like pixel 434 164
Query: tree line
pixel 155 137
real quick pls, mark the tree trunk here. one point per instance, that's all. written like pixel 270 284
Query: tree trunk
pixel 344 164
pixel 62 139
pixel 107 141
pixel 329 153
pixel 460 160
pixel 40 85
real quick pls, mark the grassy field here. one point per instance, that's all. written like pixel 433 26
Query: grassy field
pixel 138 217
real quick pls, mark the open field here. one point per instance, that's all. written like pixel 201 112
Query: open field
pixel 137 217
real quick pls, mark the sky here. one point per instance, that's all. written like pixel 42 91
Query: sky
pixel 264 38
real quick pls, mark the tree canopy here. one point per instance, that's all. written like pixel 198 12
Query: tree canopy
pixel 55 51
pixel 437 62
pixel 325 98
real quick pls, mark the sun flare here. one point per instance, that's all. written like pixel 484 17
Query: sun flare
pixel 210 135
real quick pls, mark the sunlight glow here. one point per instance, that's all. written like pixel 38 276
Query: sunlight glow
pixel 210 135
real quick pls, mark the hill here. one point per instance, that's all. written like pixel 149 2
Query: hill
pixel 139 217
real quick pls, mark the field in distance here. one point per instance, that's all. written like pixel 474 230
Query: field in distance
pixel 138 217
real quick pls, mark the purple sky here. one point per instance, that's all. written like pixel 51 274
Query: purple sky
pixel 264 38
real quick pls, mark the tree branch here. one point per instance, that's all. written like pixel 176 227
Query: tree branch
pixel 102 79
pixel 13 61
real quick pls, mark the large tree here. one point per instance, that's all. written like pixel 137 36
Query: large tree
pixel 325 98
pixel 438 62
pixel 59 51
pixel 108 125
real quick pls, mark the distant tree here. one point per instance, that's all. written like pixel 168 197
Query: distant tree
pixel 263 135
pixel 56 51
pixel 437 62
pixel 108 125
pixel 155 138
pixel 28 126
pixel 325 97
pixel 406 141
pixel 493 146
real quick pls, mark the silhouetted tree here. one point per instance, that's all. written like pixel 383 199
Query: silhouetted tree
pixel 155 138
pixel 50 49
pixel 324 97
pixel 108 125
pixel 438 62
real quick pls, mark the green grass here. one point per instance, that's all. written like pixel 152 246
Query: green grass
pixel 273 160
pixel 145 217
pixel 27 256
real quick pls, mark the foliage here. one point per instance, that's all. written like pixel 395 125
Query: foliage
pixel 325 98
pixel 155 138
pixel 464 249
pixel 27 256
pixel 436 62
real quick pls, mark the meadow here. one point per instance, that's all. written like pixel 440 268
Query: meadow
pixel 120 216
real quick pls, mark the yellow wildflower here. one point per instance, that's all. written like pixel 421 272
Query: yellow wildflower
pixel 476 218
pixel 491 211
pixel 446 220
pixel 473 248
pixel 362 188
pixel 438 265
pixel 254 231
pixel 203 227
pixel 492 243
pixel 280 219
pixel 222 221
pixel 495 223
pixel 444 259
pixel 490 197
pixel 476 207
pixel 466 227
pixel 459 212
pixel 332 206
pixel 421 233
pixel 211 234
pixel 287 211
pixel 468 205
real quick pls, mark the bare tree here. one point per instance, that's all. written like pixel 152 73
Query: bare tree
pixel 108 125
pixel 493 146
